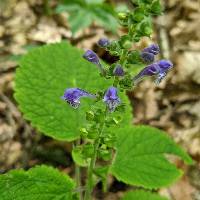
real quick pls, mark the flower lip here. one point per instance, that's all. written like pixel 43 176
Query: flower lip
pixel 165 65
pixel 73 95
pixel 111 98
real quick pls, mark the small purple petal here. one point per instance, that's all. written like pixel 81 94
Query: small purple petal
pixel 92 57
pixel 103 42
pixel 160 77
pixel 73 95
pixel 147 57
pixel 111 98
pixel 118 70
pixel 153 48
pixel 165 65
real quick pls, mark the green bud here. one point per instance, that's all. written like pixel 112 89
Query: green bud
pixel 134 57
pixel 84 132
pixel 114 48
pixel 127 44
pixel 138 14
pixel 145 28
pixel 122 15
pixel 148 31
pixel 156 7
pixel 105 154
pixel 90 115
pixel 137 38
pixel 110 140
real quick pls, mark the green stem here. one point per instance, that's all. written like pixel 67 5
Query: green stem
pixel 89 184
pixel 123 57
pixel 78 173
pixel 47 8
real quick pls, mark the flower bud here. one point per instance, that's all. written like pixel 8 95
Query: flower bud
pixel 127 44
pixel 118 70
pixel 156 7
pixel 147 57
pixel 103 42
pixel 90 115
pixel 122 15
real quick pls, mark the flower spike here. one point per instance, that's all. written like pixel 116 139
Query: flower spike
pixel 111 98
pixel 73 95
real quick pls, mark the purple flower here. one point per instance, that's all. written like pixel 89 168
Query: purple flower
pixel 103 42
pixel 111 98
pixel 165 65
pixel 159 69
pixel 73 95
pixel 118 70
pixel 147 57
pixel 92 57
pixel 153 48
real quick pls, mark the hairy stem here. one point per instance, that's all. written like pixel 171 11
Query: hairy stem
pixel 78 173
pixel 89 184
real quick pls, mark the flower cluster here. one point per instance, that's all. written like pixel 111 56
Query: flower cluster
pixel 158 69
pixel 149 53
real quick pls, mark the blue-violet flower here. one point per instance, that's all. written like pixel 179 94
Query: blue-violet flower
pixel 118 70
pixel 153 48
pixel 159 69
pixel 111 98
pixel 147 57
pixel 103 42
pixel 73 95
pixel 92 57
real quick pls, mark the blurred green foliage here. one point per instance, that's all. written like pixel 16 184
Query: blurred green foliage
pixel 82 13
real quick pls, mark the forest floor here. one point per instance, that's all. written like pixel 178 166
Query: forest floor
pixel 173 106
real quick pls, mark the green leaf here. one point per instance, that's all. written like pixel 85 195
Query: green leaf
pixel 67 8
pixel 140 158
pixel 79 20
pixel 38 183
pixel 41 80
pixel 104 15
pixel 94 1
pixel 142 195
